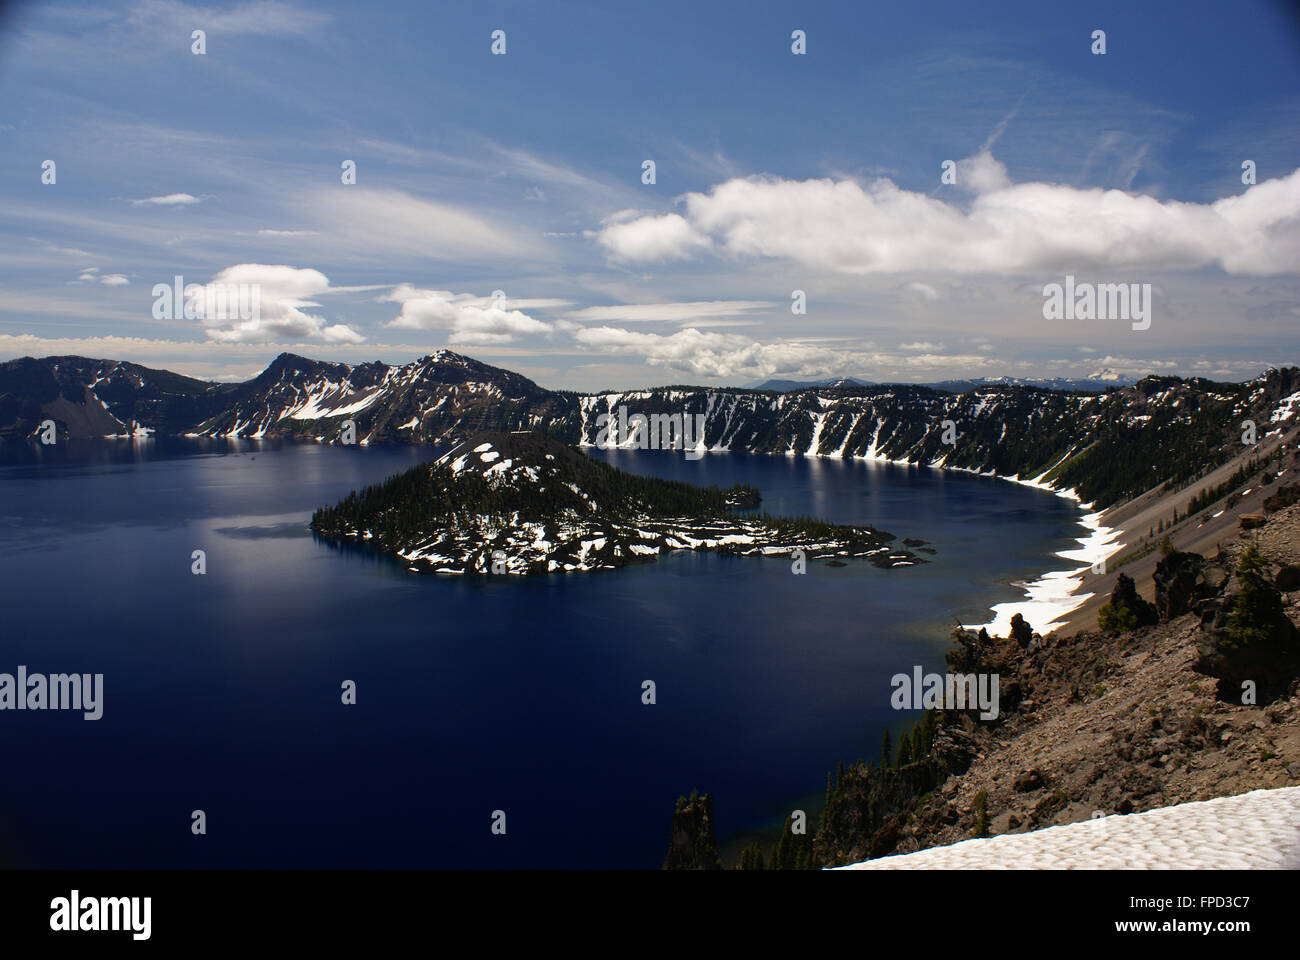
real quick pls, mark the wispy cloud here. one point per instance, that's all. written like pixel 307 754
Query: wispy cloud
pixel 170 200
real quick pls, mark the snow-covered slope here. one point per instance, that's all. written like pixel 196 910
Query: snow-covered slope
pixel 1253 831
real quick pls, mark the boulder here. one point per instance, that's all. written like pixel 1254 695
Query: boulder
pixel 1288 579
pixel 1178 584
pixel 1029 780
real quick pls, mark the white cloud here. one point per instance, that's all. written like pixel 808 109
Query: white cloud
pixel 922 290
pixel 170 200
pixel 281 293
pixel 680 312
pixel 920 345
pixel 730 356
pixel 669 237
pixel 982 174
pixel 288 233
pixel 843 227
pixel 92 275
pixel 470 319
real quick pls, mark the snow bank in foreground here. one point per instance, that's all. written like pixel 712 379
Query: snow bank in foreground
pixel 1253 831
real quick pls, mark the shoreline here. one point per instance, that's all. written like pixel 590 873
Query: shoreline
pixel 1051 598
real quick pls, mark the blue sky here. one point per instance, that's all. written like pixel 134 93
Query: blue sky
pixel 775 172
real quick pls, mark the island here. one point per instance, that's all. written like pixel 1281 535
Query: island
pixel 525 503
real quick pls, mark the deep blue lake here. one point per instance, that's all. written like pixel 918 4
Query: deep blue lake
pixel 222 691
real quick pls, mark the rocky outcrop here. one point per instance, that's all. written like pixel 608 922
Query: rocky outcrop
pixel 870 805
pixel 1282 498
pixel 692 845
pixel 1183 580
pixel 1105 723
pixel 1245 639
pixel 1126 610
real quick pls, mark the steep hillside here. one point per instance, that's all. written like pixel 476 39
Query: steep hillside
pixel 98 398
pixel 1107 447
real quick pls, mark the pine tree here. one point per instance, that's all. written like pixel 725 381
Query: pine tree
pixel 904 751
pixel 751 858
pixel 981 815
pixel 1258 608
pixel 885 750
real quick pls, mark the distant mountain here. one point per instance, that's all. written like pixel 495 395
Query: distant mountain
pixel 438 398
pixel 525 503
pixel 1098 382
pixel 785 386
pixel 1107 446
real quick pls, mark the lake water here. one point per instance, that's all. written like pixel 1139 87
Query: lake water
pixel 222 691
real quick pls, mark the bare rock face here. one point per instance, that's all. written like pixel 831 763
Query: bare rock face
pixel 692 845
pixel 1182 580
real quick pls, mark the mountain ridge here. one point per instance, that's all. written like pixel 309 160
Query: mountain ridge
pixel 1107 447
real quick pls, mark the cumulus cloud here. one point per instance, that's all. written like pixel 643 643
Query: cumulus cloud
pixel 669 237
pixel 982 174
pixel 255 302
pixel 470 319
pixel 170 200
pixel 114 280
pixel 724 355
pixel 844 227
